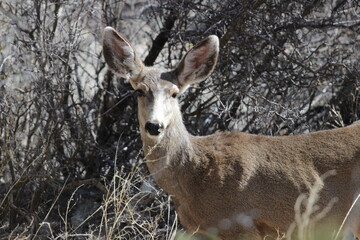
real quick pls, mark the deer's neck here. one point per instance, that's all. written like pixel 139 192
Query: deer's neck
pixel 167 158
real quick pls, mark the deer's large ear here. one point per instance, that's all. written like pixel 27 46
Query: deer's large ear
pixel 198 63
pixel 119 55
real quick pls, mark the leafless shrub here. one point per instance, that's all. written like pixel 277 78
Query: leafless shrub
pixel 283 65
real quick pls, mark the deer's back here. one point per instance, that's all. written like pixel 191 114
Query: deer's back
pixel 242 176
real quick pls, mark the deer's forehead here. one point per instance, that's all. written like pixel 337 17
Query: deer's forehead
pixel 156 81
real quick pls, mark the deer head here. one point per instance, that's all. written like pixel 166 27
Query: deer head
pixel 158 89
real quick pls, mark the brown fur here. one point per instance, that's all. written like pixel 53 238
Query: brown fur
pixel 243 185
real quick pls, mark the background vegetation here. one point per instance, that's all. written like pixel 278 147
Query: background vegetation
pixel 71 165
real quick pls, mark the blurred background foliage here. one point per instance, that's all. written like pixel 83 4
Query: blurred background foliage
pixel 70 154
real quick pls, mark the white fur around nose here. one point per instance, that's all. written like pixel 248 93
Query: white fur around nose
pixel 160 110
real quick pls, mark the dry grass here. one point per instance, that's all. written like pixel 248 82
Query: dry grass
pixel 124 215
pixel 132 209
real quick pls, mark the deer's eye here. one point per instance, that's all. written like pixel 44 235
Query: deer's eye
pixel 139 93
pixel 174 95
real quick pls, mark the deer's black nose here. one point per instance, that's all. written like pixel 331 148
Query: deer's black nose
pixel 153 128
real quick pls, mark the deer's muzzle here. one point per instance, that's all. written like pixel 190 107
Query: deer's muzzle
pixel 153 129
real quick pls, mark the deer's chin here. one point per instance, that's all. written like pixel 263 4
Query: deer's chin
pixel 154 138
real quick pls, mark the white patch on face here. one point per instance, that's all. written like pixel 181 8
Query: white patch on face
pixel 158 105
pixel 162 109
pixel 160 112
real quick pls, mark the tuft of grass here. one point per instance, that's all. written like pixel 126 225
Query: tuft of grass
pixel 134 209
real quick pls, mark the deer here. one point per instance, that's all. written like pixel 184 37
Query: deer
pixel 242 185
